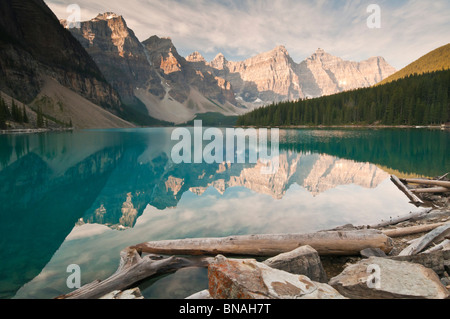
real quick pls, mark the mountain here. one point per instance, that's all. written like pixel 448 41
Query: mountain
pixel 274 77
pixel 324 74
pixel 436 60
pixel 152 76
pixel 35 52
pixel 118 53
pixel 415 100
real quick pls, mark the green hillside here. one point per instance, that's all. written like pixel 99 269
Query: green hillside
pixel 436 60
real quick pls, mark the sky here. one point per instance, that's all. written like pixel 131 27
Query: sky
pixel 243 28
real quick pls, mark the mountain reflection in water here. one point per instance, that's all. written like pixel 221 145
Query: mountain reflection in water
pixel 109 180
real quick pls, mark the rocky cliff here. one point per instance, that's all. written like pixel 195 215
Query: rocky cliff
pixel 119 54
pixel 199 89
pixel 34 46
pixel 152 75
pixel 273 76
pixel 324 74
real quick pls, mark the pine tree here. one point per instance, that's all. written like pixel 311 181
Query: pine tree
pixel 3 113
pixel 40 118
pixel 16 115
pixel 24 115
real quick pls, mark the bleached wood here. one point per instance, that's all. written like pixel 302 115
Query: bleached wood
pixel 414 198
pixel 406 231
pixel 427 182
pixel 435 235
pixel 133 269
pixel 445 245
pixel 431 190
pixel 325 243
pixel 401 219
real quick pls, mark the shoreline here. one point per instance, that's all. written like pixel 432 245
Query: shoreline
pixel 33 131
pixel 432 127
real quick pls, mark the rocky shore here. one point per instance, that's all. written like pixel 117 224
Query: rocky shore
pixel 413 263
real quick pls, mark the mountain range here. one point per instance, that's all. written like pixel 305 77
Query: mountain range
pixel 101 75
pixel 175 89
pixel 274 77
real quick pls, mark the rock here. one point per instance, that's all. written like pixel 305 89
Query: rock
pixel 394 280
pixel 202 295
pixel 445 281
pixel 302 261
pixel 35 47
pixel 372 252
pixel 273 76
pixel 119 54
pixel 122 295
pixel 249 279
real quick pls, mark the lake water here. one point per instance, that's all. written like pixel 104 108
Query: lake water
pixel 81 197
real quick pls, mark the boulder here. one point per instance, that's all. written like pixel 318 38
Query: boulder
pixel 124 295
pixel 249 279
pixel 381 278
pixel 372 252
pixel 304 260
pixel 202 295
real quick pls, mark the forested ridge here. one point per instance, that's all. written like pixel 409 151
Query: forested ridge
pixel 414 100
pixel 436 60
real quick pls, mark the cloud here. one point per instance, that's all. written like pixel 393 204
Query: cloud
pixel 243 28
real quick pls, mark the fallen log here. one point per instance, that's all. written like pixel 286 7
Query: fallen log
pixel 435 235
pixel 326 243
pixel 427 182
pixel 431 190
pixel 404 189
pixel 401 219
pixel 133 269
pixel 445 245
pixel 406 231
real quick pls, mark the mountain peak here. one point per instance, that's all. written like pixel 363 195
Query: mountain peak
pixel 195 57
pixel 107 16
pixel 219 62
pixel 282 49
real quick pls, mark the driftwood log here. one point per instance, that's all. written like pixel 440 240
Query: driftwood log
pixel 413 197
pixel 401 219
pixel 431 190
pixel 326 243
pixel 445 245
pixel 427 182
pixel 406 231
pixel 420 244
pixel 133 269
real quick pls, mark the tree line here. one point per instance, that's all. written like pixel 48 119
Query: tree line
pixel 16 114
pixel 415 100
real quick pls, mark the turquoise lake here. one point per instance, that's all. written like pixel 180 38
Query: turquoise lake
pixel 81 197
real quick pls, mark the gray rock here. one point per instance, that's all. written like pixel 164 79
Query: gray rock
pixel 123 295
pixel 372 252
pixel 202 295
pixel 302 261
pixel 393 280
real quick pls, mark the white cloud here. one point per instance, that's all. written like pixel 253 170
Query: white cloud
pixel 240 29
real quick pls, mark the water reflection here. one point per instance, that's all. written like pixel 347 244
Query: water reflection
pixel 105 181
